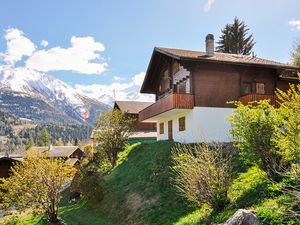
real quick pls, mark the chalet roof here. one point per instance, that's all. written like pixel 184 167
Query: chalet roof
pixel 200 56
pixel 57 151
pixel 12 159
pixel 221 57
pixel 133 107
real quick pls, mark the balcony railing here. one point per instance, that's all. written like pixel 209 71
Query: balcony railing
pixel 257 97
pixel 171 101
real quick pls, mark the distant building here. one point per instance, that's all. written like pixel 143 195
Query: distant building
pixel 143 131
pixel 71 154
pixel 192 90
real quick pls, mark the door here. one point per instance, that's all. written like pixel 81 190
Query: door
pixel 170 130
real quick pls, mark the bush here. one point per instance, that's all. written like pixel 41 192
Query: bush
pixel 253 129
pixel 202 173
pixel 88 181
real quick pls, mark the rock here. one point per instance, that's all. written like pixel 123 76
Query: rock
pixel 243 217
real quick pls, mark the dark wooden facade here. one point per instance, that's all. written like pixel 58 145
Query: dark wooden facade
pixel 210 81
pixel 6 164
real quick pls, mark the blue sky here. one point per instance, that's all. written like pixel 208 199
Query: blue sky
pixel 129 29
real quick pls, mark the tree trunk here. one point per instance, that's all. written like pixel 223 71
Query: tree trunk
pixel 52 213
pixel 114 158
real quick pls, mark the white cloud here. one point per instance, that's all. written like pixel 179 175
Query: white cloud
pixel 44 43
pixel 17 46
pixel 208 5
pixel 117 78
pixel 295 23
pixel 139 78
pixel 82 57
pixel 117 90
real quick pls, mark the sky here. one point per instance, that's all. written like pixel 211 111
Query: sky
pixel 99 46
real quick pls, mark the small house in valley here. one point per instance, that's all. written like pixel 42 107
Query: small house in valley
pixel 192 90
pixel 143 131
pixel 71 154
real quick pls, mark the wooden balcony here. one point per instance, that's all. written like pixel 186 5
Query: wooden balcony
pixel 257 97
pixel 169 102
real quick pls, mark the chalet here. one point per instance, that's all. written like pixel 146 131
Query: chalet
pixel 143 131
pixel 71 154
pixel 192 90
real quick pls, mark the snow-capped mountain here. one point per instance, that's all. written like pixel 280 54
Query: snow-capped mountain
pixel 34 95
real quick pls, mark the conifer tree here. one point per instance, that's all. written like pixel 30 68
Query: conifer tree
pixel 30 143
pixel 235 39
pixel 44 138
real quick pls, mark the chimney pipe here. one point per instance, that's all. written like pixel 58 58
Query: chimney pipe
pixel 210 45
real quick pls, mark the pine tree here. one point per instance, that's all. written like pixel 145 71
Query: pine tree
pixel 30 143
pixel 235 39
pixel 44 138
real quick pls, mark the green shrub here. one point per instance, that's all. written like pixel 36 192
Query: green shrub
pixel 253 128
pixel 287 136
pixel 88 181
pixel 271 212
pixel 202 173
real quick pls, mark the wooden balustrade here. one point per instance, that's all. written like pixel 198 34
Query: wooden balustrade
pixel 171 101
pixel 257 97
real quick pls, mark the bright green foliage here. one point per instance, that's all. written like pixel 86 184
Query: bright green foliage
pixel 235 39
pixel 202 174
pixel 89 151
pixel 296 54
pixel 112 134
pixel 288 135
pixel 44 138
pixel 196 217
pixel 253 129
pixel 36 183
pixel 30 143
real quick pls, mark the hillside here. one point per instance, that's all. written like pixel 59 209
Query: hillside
pixel 139 191
pixel 15 132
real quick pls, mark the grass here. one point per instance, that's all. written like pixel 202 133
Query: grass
pixel 139 191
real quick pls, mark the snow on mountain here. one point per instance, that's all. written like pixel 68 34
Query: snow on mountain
pixel 53 91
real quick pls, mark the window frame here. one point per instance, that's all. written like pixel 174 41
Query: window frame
pixel 182 123
pixel 264 90
pixel 161 128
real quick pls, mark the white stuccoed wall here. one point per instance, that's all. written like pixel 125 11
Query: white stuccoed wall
pixel 202 124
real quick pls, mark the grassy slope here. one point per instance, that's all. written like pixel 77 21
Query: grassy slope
pixel 139 192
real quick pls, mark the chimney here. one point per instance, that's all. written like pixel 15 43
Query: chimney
pixel 210 45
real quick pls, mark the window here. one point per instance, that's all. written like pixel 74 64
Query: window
pixel 161 128
pixel 260 88
pixel 246 88
pixel 182 123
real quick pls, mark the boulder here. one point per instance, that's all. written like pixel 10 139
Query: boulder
pixel 243 217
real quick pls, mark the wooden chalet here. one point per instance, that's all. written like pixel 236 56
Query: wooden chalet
pixel 143 131
pixel 71 154
pixel 192 90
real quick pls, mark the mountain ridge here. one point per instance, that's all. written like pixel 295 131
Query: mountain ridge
pixel 42 98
